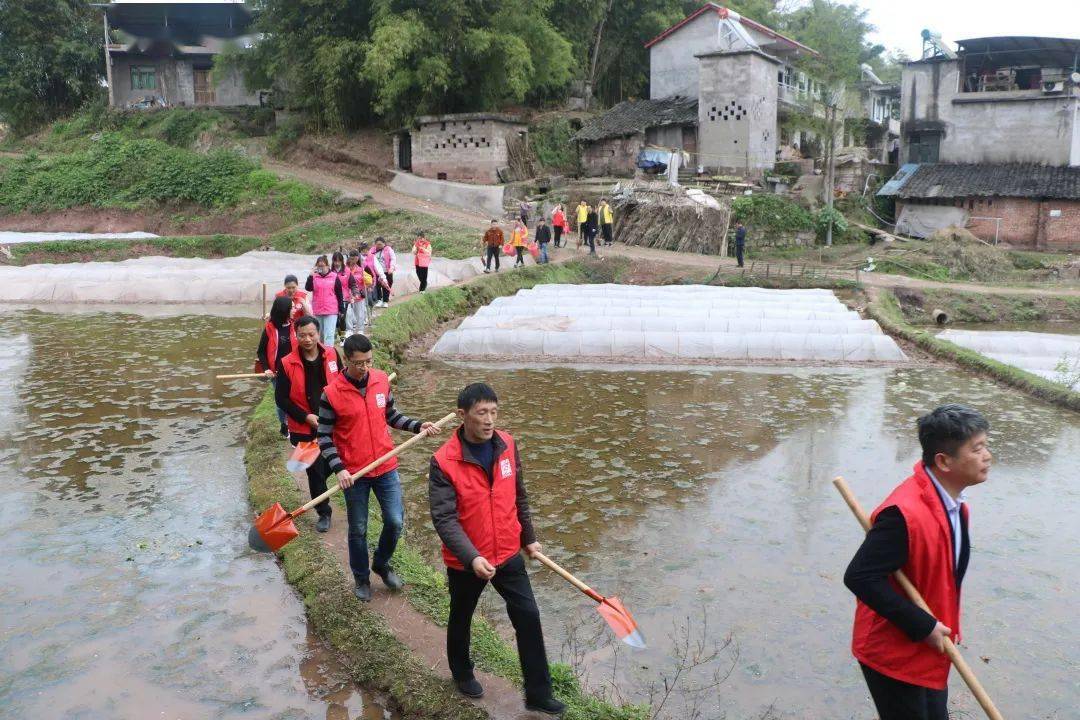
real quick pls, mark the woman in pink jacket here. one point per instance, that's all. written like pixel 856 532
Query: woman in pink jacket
pixel 422 258
pixel 326 297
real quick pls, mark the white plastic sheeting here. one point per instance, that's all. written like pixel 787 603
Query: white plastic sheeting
pixel 15 238
pixel 1049 355
pixel 228 281
pixel 668 324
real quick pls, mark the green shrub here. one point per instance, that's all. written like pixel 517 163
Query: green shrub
pixel 827 215
pixel 551 143
pixel 120 172
pixel 287 133
pixel 772 212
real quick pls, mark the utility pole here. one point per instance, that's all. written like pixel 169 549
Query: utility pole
pixel 834 98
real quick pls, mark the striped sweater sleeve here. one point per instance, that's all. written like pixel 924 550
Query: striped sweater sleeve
pixel 396 420
pixel 325 434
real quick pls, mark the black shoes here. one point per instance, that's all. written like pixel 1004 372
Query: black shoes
pixel 548 705
pixel 284 431
pixel 323 523
pixel 362 591
pixel 470 688
pixel 390 578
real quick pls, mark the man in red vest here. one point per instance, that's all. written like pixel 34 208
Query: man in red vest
pixel 922 529
pixel 356 413
pixel 303 374
pixel 481 512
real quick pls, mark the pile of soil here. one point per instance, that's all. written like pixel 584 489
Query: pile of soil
pixel 177 220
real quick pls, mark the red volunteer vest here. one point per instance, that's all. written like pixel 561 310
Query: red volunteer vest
pixel 878 643
pixel 297 303
pixel 361 434
pixel 272 345
pixel 487 511
pixel 293 367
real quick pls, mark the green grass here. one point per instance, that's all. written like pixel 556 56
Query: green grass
pixel 886 311
pixel 377 660
pixel 971 307
pixel 426 585
pixel 201 246
pixel 121 173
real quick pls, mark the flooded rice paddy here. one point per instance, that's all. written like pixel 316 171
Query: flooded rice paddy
pixel 702 498
pixel 128 590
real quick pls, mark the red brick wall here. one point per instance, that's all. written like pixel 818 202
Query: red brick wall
pixel 1019 219
pixel 1063 231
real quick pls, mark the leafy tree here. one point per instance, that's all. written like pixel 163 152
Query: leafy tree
pixel 432 56
pixel 52 59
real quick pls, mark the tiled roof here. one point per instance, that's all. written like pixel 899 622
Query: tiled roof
pixel 940 180
pixel 634 116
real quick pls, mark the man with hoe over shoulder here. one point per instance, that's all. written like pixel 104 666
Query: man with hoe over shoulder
pixel 922 529
pixel 481 512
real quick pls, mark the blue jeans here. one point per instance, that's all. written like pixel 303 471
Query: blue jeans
pixel 543 252
pixel 387 489
pixel 327 328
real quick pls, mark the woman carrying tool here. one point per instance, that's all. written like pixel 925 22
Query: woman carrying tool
pixel 356 310
pixel 326 297
pixel 422 258
pixel 300 304
pixel 481 511
pixel 922 529
pixel 278 339
pixel 302 376
pixel 386 264
pixel 356 412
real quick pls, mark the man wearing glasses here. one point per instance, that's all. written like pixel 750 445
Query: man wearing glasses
pixel 356 413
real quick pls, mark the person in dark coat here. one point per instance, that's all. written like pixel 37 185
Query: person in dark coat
pixel 592 227
pixel 740 242
pixel 543 237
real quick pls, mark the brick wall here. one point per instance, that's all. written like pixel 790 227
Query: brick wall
pixel 1059 225
pixel 613 156
pixel 466 150
pixel 1024 222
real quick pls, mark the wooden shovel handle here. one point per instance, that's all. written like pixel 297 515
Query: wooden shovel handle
pixel 568 577
pixel 372 465
pixel 391 377
pixel 916 597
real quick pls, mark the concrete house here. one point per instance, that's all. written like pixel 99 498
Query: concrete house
pixel 161 54
pixel 470 147
pixel 738 71
pixel 990 138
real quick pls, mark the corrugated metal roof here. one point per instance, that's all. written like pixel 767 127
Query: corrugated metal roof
pixel 902 176
pixel 634 116
pixel 941 180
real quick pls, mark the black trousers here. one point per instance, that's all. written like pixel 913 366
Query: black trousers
pixel 558 235
pixel 492 252
pixel 384 291
pixel 317 473
pixel 512 583
pixel 520 255
pixel 897 700
pixel 421 272
pixel 739 249
pixel 605 231
pixel 590 240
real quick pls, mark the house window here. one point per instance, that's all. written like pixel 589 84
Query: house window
pixel 143 77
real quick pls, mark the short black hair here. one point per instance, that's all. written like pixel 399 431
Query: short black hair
pixel 306 320
pixel 946 428
pixel 356 343
pixel 420 233
pixel 380 239
pixel 475 393
pixel 289 279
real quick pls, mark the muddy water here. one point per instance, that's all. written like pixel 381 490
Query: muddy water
pixel 702 499
pixel 128 590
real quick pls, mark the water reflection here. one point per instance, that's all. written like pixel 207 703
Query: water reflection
pixel 705 492
pixel 128 588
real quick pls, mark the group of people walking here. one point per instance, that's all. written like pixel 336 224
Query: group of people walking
pixel 591 222
pixel 480 510
pixel 479 505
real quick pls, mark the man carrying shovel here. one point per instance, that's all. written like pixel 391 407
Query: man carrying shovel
pixel 356 413
pixel 481 512
pixel 304 374
pixel 922 529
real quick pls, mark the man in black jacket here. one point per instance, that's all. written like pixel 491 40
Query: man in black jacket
pixel 543 237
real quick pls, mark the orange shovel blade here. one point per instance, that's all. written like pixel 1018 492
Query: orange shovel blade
pixel 303 455
pixel 272 530
pixel 621 622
